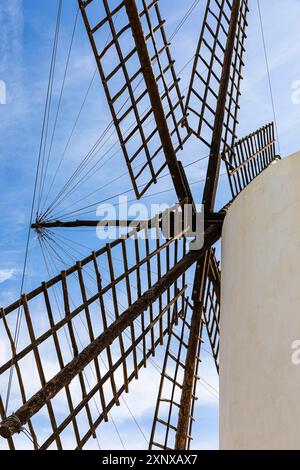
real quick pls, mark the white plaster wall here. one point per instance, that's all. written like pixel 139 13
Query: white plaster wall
pixel 259 384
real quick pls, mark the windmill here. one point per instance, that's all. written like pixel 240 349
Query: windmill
pixel 152 273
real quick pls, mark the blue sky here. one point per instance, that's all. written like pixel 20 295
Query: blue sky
pixel 26 37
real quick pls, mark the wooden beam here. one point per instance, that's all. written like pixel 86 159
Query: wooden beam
pixel 213 218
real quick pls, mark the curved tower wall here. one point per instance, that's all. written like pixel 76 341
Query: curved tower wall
pixel 259 379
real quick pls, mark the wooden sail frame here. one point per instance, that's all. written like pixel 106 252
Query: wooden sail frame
pixel 148 99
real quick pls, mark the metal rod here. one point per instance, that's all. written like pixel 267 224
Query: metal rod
pixel 13 424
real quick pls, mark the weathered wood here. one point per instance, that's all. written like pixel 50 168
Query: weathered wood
pixel 209 195
pixel 130 224
pixel 211 307
pixel 206 77
pixel 105 326
pixel 116 310
pixel 64 321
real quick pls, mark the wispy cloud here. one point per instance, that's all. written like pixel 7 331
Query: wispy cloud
pixel 6 274
pixel 11 24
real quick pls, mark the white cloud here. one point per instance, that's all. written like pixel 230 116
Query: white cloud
pixel 11 23
pixel 6 274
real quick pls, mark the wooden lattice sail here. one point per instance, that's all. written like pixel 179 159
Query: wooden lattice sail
pixel 164 426
pixel 208 80
pixel 137 62
pixel 87 299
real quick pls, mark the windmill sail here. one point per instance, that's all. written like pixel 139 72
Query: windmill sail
pixel 126 89
pixel 249 157
pixel 206 77
pixel 69 314
pixel 165 422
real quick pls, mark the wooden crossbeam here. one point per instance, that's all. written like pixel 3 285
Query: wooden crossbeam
pixel 164 426
pixel 206 78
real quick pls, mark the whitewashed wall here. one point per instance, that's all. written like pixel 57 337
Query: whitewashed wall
pixel 259 384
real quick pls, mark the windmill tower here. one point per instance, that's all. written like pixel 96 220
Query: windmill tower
pixel 257 346
pixel 137 70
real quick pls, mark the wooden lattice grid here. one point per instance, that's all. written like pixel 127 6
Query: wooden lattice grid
pixel 212 306
pixel 206 77
pixel 64 315
pixel 124 85
pixel 249 157
pixel 166 414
